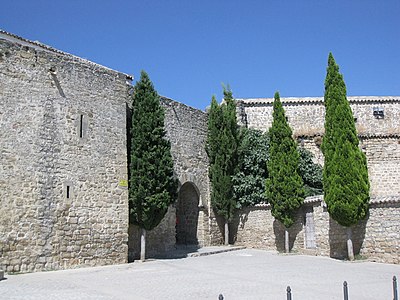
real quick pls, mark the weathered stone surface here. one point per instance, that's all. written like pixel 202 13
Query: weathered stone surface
pixel 63 154
pixel 379 136
pixel 63 169
pixel 377 237
pixel 186 129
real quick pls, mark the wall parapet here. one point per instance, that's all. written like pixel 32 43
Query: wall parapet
pixel 316 100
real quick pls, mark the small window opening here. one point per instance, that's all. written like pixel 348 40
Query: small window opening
pixel 81 126
pixel 68 191
pixel 378 112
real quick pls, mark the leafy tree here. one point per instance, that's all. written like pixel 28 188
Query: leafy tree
pixel 222 140
pixel 284 186
pixel 249 182
pixel 152 186
pixel 345 174
pixel 310 172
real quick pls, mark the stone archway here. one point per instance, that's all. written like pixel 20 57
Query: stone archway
pixel 187 215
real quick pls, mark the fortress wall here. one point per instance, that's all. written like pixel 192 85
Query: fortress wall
pixel 383 155
pixel 306 115
pixel 63 161
pixel 376 238
pixel 379 137
pixel 305 119
pixel 186 129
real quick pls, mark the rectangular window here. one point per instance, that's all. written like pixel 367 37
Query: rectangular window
pixel 81 126
pixel 68 192
pixel 378 112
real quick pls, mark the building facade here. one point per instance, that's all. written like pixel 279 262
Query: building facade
pixel 378 236
pixel 63 166
pixel 63 169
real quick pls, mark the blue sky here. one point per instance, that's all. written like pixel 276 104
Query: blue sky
pixel 189 48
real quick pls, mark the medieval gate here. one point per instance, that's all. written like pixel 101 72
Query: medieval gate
pixel 187 215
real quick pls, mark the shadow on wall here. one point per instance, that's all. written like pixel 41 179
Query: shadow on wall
pixel 159 242
pixel 279 232
pixel 239 221
pixel 221 229
pixel 338 238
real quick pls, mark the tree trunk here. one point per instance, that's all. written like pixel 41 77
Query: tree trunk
pixel 143 245
pixel 350 250
pixel 226 233
pixel 286 240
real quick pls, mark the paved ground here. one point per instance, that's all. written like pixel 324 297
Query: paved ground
pixel 242 274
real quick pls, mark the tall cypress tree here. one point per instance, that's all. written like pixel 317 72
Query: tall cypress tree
pixel 222 141
pixel 345 174
pixel 152 186
pixel 284 186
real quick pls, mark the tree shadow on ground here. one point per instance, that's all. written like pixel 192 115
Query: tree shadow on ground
pixel 180 251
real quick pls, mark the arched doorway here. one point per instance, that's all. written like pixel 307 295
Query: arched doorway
pixel 187 215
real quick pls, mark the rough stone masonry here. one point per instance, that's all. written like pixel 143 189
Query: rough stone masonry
pixel 378 236
pixel 63 169
pixel 63 164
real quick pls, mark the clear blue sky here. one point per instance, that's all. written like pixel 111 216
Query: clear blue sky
pixel 257 47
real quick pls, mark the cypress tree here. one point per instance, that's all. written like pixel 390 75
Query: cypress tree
pixel 284 186
pixel 222 151
pixel 152 186
pixel 345 174
pixel 214 124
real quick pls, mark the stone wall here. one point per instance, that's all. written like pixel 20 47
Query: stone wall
pixel 376 238
pixel 159 241
pixel 383 156
pixel 63 168
pixel 306 116
pixel 63 160
pixel 377 121
pixel 186 129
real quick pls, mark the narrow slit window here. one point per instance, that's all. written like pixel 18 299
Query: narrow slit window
pixel 68 191
pixel 81 126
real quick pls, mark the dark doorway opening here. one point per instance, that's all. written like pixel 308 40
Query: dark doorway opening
pixel 187 215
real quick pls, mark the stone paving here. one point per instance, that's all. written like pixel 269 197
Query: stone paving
pixel 242 274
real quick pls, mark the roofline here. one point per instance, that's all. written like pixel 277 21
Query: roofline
pixel 43 47
pixel 374 200
pixel 315 100
pixel 165 98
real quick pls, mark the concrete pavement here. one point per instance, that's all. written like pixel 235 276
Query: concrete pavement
pixel 242 274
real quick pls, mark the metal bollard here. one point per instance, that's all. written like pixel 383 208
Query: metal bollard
pixel 288 293
pixel 395 297
pixel 220 297
pixel 345 291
